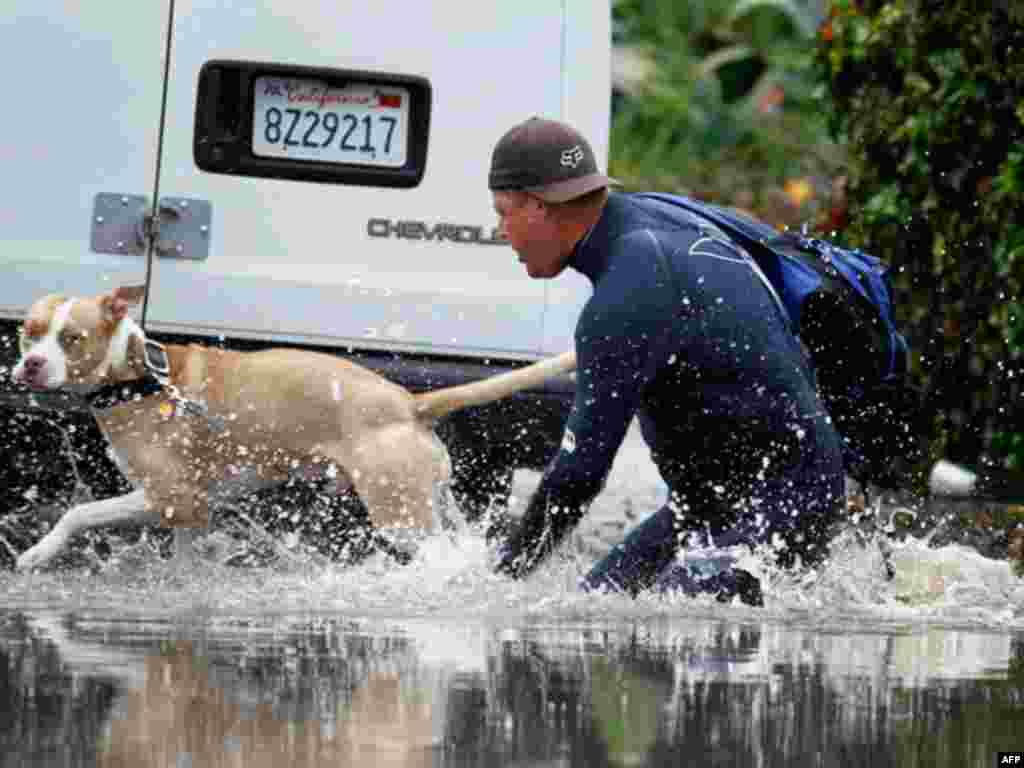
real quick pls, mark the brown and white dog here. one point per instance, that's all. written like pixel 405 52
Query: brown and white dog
pixel 213 423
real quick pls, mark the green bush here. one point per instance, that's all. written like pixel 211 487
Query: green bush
pixel 928 97
pixel 728 112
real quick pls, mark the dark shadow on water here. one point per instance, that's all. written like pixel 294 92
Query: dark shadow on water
pixel 337 692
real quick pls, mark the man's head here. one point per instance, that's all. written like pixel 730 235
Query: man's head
pixel 547 192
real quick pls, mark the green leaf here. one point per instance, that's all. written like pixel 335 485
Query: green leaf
pixel 917 82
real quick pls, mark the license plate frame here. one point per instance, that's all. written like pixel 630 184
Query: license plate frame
pixel 230 116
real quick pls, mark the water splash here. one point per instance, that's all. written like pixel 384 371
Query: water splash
pixel 451 578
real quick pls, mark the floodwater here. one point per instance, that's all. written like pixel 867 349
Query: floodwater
pixel 441 663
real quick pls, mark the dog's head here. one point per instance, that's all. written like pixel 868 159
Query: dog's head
pixel 79 342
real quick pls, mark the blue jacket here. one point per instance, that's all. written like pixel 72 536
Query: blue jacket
pixel 683 332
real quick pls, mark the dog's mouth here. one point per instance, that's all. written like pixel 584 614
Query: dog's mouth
pixel 37 383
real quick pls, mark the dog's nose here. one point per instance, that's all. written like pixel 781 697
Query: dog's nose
pixel 34 364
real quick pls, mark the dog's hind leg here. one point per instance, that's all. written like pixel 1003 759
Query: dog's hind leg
pixel 395 471
pixel 129 509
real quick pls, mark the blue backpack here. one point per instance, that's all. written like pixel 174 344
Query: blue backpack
pixel 839 303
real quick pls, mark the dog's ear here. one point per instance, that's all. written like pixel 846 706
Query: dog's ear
pixel 116 302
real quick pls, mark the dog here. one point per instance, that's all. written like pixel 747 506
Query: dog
pixel 190 426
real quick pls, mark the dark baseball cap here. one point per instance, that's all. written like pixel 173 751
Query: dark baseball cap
pixel 546 158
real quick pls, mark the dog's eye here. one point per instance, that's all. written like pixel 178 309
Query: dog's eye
pixel 70 338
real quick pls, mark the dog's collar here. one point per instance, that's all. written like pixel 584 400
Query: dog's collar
pixel 124 392
pixel 155 360
pixel 156 380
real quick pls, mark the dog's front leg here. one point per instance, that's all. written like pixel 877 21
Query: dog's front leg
pixel 129 509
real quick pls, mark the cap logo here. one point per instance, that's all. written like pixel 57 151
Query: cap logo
pixel 572 157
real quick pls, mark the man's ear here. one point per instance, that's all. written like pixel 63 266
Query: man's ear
pixel 117 302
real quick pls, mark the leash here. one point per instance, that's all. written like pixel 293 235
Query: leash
pixel 156 380
pixel 150 256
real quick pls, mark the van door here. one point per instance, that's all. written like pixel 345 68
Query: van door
pixel 82 85
pixel 328 264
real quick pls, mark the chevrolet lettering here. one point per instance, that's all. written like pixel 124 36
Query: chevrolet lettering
pixel 420 230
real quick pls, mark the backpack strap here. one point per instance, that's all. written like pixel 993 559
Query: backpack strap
pixel 733 234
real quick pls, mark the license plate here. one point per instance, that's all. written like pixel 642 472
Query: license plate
pixel 357 124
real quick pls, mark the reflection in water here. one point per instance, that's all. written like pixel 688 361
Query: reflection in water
pixel 188 706
pixel 49 714
pixel 345 693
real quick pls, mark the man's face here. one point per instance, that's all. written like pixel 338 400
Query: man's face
pixel 533 232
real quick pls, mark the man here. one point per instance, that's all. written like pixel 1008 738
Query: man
pixel 684 332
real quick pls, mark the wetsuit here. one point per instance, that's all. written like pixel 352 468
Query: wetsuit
pixel 685 334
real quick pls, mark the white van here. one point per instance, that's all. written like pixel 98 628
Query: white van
pixel 223 152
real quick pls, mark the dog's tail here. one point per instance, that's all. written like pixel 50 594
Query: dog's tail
pixel 433 405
